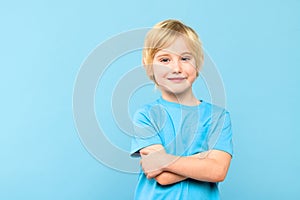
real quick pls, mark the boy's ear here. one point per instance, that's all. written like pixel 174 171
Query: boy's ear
pixel 198 71
pixel 143 61
pixel 147 67
pixel 144 64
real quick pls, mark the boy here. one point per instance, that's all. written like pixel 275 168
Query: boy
pixel 174 134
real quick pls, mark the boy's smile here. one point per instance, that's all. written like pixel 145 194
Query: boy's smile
pixel 177 79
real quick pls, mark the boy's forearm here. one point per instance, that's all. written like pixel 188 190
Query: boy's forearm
pixel 167 178
pixel 208 166
pixel 203 169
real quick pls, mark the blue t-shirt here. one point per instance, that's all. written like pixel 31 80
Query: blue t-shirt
pixel 183 131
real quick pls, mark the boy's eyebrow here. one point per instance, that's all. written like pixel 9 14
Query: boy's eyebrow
pixel 167 54
pixel 184 53
pixel 163 54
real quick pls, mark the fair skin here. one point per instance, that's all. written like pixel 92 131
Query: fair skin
pixel 167 169
pixel 174 71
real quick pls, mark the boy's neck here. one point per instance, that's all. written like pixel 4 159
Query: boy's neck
pixel 184 99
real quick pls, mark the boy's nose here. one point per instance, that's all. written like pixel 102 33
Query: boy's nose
pixel 176 67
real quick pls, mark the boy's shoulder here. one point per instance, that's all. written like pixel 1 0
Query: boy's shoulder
pixel 147 108
pixel 214 107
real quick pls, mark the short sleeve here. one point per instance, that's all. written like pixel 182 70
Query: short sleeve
pixel 224 139
pixel 145 132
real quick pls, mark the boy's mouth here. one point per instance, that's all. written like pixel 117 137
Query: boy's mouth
pixel 176 79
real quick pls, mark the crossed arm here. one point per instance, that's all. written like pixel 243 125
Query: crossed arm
pixel 211 166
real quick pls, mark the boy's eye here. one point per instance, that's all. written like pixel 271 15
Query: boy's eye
pixel 164 60
pixel 185 58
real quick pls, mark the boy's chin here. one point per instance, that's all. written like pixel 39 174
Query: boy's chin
pixel 177 91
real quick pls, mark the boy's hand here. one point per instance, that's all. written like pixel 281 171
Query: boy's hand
pixel 153 162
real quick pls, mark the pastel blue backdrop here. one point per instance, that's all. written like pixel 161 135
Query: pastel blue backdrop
pixel 255 45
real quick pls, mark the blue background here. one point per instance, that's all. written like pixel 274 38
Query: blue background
pixel 255 45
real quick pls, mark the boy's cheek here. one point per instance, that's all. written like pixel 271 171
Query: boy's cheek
pixel 161 68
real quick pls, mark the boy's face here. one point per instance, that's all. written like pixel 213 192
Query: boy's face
pixel 174 68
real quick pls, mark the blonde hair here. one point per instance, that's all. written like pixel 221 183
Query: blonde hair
pixel 162 35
